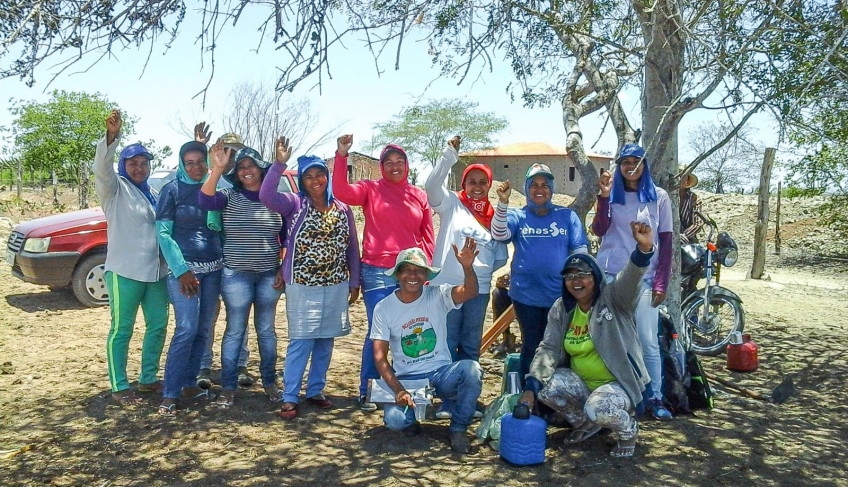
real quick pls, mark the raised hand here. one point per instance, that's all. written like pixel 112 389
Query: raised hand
pixel 220 157
pixel 467 254
pixel 605 183
pixel 454 142
pixel 644 236
pixel 282 150
pixel 202 133
pixel 343 144
pixel 113 126
pixel 504 191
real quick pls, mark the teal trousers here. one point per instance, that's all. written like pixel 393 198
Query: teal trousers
pixel 125 297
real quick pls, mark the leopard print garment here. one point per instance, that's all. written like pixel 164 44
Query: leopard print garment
pixel 320 257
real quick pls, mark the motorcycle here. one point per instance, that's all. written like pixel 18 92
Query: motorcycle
pixel 712 313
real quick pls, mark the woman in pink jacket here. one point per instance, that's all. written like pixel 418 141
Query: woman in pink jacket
pixel 397 217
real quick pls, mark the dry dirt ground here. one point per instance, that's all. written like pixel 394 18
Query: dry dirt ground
pixel 59 427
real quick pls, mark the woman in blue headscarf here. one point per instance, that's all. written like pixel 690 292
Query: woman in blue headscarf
pixel 320 270
pixel 543 236
pixel 194 255
pixel 135 273
pixel 252 236
pixel 630 195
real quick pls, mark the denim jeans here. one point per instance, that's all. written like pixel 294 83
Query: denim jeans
pixel 297 354
pixel 532 320
pixel 459 382
pixel 240 291
pixel 206 361
pixel 375 286
pixel 465 328
pixel 647 325
pixel 193 318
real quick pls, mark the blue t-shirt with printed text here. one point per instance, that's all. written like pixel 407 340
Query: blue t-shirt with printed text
pixel 541 245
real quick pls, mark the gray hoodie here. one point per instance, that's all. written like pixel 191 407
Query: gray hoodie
pixel 611 326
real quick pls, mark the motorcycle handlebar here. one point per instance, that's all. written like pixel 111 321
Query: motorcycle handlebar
pixel 709 221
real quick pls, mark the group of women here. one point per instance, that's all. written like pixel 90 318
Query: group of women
pixel 322 271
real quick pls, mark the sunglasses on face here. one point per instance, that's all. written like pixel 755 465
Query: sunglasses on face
pixel 574 276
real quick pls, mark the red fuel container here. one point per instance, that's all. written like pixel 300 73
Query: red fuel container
pixel 742 357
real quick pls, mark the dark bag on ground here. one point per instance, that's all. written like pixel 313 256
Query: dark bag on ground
pixel 686 393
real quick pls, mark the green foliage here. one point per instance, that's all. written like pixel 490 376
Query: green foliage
pixel 423 130
pixel 825 171
pixel 60 134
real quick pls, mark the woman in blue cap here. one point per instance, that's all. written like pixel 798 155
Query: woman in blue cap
pixel 630 195
pixel 135 273
pixel 252 237
pixel 543 236
pixel 320 271
pixel 195 258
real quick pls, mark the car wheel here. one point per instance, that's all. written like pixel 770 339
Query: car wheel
pixel 89 281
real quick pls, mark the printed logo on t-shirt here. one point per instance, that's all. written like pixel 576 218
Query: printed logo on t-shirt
pixel 418 338
pixel 480 236
pixel 552 230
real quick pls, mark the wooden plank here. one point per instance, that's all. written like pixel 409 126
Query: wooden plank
pixel 761 227
pixel 498 327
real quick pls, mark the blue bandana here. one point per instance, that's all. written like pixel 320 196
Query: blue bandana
pixel 305 163
pixel 129 152
pixel 647 190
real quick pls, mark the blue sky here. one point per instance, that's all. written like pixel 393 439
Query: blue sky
pixel 162 95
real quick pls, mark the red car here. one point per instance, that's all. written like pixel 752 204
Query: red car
pixel 69 249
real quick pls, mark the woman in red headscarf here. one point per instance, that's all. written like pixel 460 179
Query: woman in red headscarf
pixel 464 213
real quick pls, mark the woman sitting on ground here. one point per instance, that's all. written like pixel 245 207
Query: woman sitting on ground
pixel 589 365
pixel 251 258
pixel 320 270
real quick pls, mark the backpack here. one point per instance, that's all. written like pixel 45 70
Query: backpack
pixel 692 391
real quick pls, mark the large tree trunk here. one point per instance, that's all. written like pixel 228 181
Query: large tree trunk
pixel 661 112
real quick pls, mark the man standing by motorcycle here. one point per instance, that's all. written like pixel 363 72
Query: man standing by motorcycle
pixel 690 224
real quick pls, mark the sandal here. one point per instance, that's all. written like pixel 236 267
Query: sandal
pixel 152 387
pixel 168 411
pixel 199 394
pixel 274 394
pixel 584 432
pixel 126 398
pixel 226 399
pixel 288 411
pixel 625 448
pixel 320 402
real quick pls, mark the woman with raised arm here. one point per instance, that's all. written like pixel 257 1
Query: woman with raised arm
pixel 465 213
pixel 543 235
pixel 252 236
pixel 135 272
pixel 194 255
pixel 397 217
pixel 320 270
pixel 630 195
pixel 589 365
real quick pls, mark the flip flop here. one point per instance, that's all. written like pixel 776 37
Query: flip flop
pixel 169 411
pixel 152 387
pixel 126 398
pixel 274 394
pixel 583 433
pixel 226 399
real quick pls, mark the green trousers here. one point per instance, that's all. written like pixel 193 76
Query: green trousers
pixel 125 297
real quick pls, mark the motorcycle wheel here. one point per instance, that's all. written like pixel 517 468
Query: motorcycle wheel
pixel 710 336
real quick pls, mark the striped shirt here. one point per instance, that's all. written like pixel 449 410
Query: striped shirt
pixel 251 232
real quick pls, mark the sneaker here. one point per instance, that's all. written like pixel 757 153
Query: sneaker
pixel 365 405
pixel 443 412
pixel 459 442
pixel 204 380
pixel 658 410
pixel 244 379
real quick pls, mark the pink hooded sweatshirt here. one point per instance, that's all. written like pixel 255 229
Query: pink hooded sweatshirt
pixel 397 216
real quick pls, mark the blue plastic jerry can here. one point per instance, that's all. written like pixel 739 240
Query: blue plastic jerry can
pixel 523 437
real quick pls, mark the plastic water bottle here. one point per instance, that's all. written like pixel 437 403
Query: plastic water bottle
pixel 678 356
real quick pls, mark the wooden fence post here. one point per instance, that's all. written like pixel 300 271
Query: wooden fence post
pixel 777 220
pixel 761 227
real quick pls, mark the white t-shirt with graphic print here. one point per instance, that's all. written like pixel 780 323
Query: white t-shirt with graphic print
pixel 416 331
